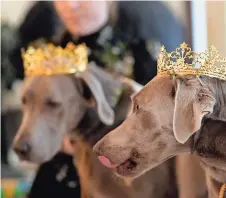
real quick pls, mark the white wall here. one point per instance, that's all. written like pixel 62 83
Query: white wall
pixel 14 11
pixel 199 25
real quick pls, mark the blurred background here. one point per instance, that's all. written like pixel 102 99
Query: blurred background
pixel 199 23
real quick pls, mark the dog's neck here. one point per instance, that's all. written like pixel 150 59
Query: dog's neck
pixel 218 88
pixel 207 143
pixel 92 129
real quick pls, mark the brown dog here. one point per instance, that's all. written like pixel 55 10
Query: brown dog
pixel 92 103
pixel 164 111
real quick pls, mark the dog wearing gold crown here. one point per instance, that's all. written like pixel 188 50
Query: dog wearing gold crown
pixel 182 110
pixel 62 95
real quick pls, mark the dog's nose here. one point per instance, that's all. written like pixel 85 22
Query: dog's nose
pixel 22 148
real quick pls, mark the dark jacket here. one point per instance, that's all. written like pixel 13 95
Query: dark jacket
pixel 56 178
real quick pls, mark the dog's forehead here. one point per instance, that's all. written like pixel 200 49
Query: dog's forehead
pixel 34 85
pixel 160 85
pixel 62 86
pixel 58 86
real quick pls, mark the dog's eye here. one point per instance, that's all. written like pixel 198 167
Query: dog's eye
pixel 173 92
pixel 135 107
pixel 23 100
pixel 52 104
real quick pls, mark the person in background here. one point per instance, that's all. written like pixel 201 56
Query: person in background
pixel 122 36
pixel 126 43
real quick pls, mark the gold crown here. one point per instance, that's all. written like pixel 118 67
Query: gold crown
pixel 184 61
pixel 52 60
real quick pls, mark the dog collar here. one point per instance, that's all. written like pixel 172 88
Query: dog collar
pixel 222 191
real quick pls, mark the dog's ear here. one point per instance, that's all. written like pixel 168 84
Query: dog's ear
pixel 93 92
pixel 210 139
pixel 192 102
pixel 100 89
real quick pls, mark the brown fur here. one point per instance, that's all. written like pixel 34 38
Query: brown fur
pixel 84 160
pixel 83 165
pixel 175 108
pixel 190 176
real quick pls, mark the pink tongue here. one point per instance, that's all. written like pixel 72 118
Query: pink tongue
pixel 106 162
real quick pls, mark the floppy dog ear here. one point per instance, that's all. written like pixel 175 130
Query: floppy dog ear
pixel 100 90
pixel 192 102
pixel 104 110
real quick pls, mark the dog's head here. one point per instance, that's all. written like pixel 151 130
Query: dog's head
pixel 54 105
pixel 164 109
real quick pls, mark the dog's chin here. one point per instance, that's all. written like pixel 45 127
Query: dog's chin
pixel 131 169
pixel 37 159
pixel 19 164
pixel 32 159
pixel 139 168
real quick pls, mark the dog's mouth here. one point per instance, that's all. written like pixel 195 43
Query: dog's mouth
pixel 125 168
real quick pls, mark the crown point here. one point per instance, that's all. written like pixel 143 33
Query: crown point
pixel 52 59
pixel 184 45
pixel 184 61
pixel 163 49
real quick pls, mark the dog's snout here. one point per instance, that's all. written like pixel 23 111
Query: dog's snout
pixel 22 147
pixel 97 148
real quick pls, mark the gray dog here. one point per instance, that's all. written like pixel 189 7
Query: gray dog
pixel 90 105
pixel 164 111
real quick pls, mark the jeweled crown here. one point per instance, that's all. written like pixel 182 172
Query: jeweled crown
pixel 52 60
pixel 184 61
